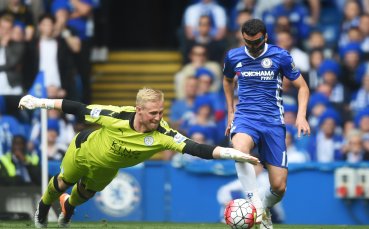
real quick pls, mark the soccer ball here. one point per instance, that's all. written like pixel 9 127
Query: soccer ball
pixel 240 213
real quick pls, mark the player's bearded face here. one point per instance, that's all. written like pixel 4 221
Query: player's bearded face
pixel 255 44
pixel 151 114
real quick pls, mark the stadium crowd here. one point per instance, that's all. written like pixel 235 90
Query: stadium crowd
pixel 328 39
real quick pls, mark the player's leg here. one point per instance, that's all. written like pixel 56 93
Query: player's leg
pixel 278 183
pixel 94 181
pixel 273 155
pixel 68 203
pixel 246 172
pixel 70 174
pixel 55 188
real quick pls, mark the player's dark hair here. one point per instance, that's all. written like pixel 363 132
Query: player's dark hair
pixel 253 27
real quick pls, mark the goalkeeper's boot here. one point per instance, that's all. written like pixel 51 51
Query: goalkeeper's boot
pixel 266 222
pixel 41 215
pixel 67 211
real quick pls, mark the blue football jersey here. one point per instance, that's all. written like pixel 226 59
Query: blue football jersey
pixel 260 82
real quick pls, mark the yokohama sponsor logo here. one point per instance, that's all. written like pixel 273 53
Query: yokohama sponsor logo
pixel 257 73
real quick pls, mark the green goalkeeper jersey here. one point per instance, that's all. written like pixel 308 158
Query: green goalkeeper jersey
pixel 117 145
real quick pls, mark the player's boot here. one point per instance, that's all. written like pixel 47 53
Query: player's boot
pixel 41 215
pixel 259 209
pixel 266 222
pixel 66 212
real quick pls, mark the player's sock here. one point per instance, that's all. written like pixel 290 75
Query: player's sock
pixel 246 175
pixel 52 193
pixel 76 198
pixel 271 198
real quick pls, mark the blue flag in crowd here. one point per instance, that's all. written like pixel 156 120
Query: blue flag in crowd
pixel 38 88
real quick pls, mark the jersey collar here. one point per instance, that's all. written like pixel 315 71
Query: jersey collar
pixel 264 51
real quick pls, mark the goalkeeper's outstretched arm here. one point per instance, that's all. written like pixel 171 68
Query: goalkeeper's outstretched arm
pixel 216 152
pixel 67 106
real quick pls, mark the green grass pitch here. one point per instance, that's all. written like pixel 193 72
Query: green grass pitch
pixel 136 225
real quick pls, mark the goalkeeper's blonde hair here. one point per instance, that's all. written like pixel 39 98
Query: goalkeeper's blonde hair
pixel 145 95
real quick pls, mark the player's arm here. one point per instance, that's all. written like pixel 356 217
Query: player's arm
pixel 67 106
pixel 216 152
pixel 229 85
pixel 302 97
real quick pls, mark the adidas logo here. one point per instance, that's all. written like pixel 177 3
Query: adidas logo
pixel 239 65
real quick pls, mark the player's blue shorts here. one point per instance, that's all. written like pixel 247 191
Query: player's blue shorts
pixel 269 138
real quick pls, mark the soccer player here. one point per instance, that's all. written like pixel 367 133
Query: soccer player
pixel 128 136
pixel 257 119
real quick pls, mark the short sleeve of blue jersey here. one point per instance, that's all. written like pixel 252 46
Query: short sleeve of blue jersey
pixel 228 70
pixel 289 69
pixel 65 4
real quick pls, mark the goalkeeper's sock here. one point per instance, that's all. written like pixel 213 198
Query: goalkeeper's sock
pixel 271 198
pixel 76 198
pixel 247 176
pixel 52 193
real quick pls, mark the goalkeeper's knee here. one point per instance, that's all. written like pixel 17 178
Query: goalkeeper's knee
pixel 83 192
pixel 60 185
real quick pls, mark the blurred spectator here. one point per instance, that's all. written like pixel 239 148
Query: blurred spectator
pixel 77 16
pixel 9 127
pixel 55 150
pixel 205 7
pixel 240 6
pixel 11 59
pixel 330 72
pixel 102 25
pixel 290 113
pixel 316 41
pixel 318 103
pixel 361 120
pixel 198 57
pixel 326 144
pixel 294 154
pixel 351 14
pixel 236 40
pixel 18 166
pixel 297 14
pixel 316 57
pixel 350 55
pixel 354 150
pixel 360 99
pixel 301 59
pixel 364 29
pixel 216 49
pixel 181 108
pixel 21 15
pixel 203 116
pixel 191 26
pixel 53 56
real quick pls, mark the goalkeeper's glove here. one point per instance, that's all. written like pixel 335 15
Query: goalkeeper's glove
pixel 230 153
pixel 29 102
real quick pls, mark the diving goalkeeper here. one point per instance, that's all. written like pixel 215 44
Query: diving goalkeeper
pixel 128 136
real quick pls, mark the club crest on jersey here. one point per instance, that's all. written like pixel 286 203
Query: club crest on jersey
pixel 95 112
pixel 266 63
pixel 148 140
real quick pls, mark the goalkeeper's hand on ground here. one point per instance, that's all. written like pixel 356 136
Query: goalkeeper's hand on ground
pixel 230 153
pixel 29 102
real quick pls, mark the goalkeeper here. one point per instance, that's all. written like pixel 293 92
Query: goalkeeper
pixel 128 136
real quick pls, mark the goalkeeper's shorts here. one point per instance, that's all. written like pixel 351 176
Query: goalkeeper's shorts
pixel 75 167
